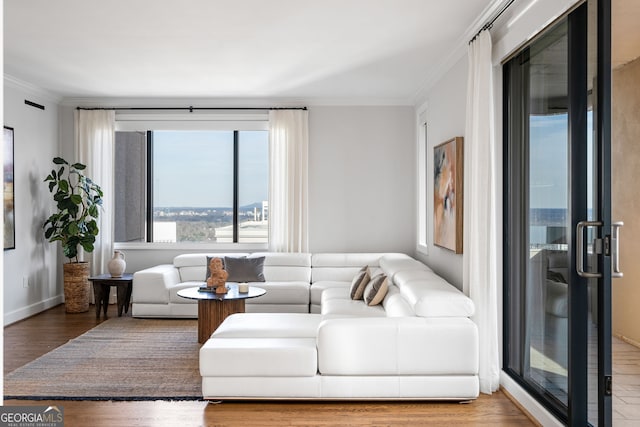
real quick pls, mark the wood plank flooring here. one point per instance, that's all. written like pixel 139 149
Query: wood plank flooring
pixel 626 384
pixel 28 339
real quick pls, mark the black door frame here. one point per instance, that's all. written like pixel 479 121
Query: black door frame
pixel 602 142
pixel 578 288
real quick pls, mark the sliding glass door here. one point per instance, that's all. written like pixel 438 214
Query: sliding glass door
pixel 558 246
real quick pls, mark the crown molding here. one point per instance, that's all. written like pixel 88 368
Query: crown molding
pixel 140 102
pixel 360 102
pixel 16 83
pixel 458 52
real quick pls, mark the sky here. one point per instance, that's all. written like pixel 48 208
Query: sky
pixel 195 168
pixel 548 174
pixel 548 161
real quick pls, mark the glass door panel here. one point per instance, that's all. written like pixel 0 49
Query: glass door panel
pixel 557 176
pixel 548 266
pixel 538 177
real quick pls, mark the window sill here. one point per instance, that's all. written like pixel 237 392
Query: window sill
pixel 422 249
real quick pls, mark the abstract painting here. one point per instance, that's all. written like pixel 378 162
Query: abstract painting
pixel 8 206
pixel 447 194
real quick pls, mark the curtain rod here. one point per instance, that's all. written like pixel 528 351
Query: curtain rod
pixel 489 24
pixel 191 109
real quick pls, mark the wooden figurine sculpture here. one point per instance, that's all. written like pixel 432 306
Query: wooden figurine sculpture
pixel 218 277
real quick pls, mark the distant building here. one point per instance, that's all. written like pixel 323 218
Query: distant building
pixel 248 231
pixel 165 232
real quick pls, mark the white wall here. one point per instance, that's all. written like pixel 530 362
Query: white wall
pixel 362 179
pixel 625 203
pixel 445 117
pixel 34 260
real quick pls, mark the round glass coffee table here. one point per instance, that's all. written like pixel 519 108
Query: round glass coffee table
pixel 214 308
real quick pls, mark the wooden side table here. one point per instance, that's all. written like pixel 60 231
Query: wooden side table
pixel 102 287
pixel 214 308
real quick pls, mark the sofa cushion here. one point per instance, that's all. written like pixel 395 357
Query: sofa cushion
pixel 351 259
pixel 336 302
pixel 375 290
pixel 341 267
pixel 152 284
pixel 244 269
pixel 335 293
pixel 394 263
pixel 399 346
pixel 282 293
pixel 359 282
pixel 432 296
pixel 269 325
pixel 259 357
pixel 285 266
pixel 318 288
pixel 442 303
pixel 395 305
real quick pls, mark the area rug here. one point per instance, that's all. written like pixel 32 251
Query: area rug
pixel 123 358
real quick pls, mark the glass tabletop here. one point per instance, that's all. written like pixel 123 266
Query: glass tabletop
pixel 232 293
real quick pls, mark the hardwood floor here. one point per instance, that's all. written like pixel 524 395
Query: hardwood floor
pixel 28 339
pixel 626 384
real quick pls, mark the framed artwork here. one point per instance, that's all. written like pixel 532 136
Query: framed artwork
pixel 8 206
pixel 448 170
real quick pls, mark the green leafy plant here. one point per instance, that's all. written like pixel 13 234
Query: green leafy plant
pixel 77 199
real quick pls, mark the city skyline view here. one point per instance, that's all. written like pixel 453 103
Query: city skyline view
pixel 204 177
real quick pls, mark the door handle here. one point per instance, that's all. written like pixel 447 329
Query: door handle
pixel 580 249
pixel 615 252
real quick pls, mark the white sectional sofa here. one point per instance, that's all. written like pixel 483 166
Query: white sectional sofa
pixel 294 281
pixel 418 344
pixel 287 275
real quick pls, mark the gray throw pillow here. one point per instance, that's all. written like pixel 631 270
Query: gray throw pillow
pixel 244 269
pixel 376 290
pixel 209 258
pixel 359 282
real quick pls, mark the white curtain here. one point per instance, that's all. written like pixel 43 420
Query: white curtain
pixel 94 144
pixel 288 183
pixel 480 212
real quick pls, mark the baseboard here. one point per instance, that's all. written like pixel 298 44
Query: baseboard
pixel 530 406
pixel 628 340
pixel 33 309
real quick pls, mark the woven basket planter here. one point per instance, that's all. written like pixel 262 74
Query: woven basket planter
pixel 76 287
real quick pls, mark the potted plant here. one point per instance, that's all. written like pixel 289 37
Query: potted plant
pixel 73 225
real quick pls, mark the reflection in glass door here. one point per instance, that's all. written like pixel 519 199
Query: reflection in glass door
pixel 539 207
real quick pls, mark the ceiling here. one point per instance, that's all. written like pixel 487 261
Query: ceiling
pixel 383 51
pixel 285 49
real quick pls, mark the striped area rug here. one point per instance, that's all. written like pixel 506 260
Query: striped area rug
pixel 123 358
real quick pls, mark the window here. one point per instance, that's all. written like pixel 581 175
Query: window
pixel 422 162
pixel 197 186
